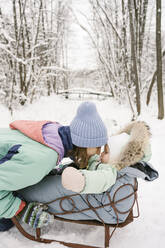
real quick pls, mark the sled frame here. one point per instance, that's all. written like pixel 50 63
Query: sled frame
pixel 107 227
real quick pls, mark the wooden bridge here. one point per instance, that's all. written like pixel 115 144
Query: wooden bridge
pixel 84 92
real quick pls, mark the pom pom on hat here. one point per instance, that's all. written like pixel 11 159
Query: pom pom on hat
pixel 87 128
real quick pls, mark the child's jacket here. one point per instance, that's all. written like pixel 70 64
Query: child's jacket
pixel 98 177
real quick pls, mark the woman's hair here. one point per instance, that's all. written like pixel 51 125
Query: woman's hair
pixel 80 157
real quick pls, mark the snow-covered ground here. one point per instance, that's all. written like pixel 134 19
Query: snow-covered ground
pixel 148 230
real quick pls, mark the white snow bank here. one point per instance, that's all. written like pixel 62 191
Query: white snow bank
pixel 148 230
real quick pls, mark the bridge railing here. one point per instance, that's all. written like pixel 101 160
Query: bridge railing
pixel 83 93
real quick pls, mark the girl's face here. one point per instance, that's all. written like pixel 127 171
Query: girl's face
pixel 93 150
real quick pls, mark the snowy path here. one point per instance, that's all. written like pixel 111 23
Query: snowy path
pixel 147 231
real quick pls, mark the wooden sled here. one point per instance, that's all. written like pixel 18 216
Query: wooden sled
pixel 107 227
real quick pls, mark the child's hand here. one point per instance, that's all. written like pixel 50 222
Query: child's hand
pixel 105 155
pixel 73 179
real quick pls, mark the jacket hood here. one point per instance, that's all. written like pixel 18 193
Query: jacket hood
pixel 136 146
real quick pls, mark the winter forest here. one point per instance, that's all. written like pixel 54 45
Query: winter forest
pixel 123 54
pixel 55 54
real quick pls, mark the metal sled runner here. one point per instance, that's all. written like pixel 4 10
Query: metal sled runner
pixel 107 227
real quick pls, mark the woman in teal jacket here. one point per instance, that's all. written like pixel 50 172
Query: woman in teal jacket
pixel 31 149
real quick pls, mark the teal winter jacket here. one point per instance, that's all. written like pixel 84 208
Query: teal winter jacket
pixel 23 162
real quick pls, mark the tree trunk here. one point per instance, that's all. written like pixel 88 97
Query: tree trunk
pixel 125 58
pixel 152 83
pixel 134 70
pixel 159 61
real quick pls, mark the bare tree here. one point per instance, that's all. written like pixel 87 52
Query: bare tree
pixel 119 47
pixel 159 60
pixel 154 77
pixel 33 47
pixel 134 69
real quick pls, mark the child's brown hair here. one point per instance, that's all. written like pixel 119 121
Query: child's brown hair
pixel 79 154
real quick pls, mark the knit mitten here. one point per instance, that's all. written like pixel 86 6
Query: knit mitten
pixel 35 215
pixel 73 179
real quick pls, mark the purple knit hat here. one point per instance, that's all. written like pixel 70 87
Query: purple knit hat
pixel 87 128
